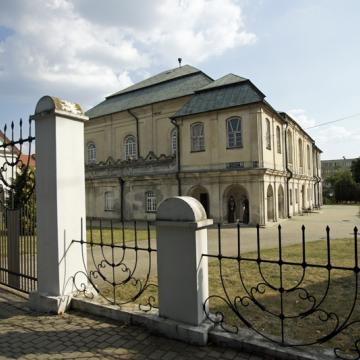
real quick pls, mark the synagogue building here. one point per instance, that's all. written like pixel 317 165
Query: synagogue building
pixel 183 133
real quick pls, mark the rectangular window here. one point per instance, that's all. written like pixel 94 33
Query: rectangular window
pixel 197 137
pixel 278 139
pixel 291 197
pixel 268 135
pixel 109 201
pixel 296 195
pixel 234 133
pixel 150 201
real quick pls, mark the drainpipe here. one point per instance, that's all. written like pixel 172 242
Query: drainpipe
pixel 318 180
pixel 137 132
pixel 288 176
pixel 173 121
pixel 122 185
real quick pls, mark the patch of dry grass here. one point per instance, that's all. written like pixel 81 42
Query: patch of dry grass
pixel 331 294
pixel 238 278
pixel 118 235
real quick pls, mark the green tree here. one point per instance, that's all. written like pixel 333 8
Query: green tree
pixel 355 170
pixel 21 197
pixel 345 187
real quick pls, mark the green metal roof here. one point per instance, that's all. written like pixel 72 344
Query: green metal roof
pixel 167 85
pixel 223 81
pixel 159 78
pixel 215 98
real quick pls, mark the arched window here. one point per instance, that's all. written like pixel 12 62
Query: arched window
pixel 197 137
pixel 308 156
pixel 150 201
pixel 109 200
pixel 278 139
pixel 173 140
pixel 301 160
pixel 130 147
pixel 234 136
pixel 268 135
pixel 290 147
pixel 91 153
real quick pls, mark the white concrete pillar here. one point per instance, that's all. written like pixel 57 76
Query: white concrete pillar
pixel 60 197
pixel 182 271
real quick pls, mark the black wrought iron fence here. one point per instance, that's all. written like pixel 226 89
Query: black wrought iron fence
pixel 296 295
pixel 121 262
pixel 17 209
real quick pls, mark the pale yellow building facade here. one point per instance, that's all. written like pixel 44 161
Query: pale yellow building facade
pixel 182 133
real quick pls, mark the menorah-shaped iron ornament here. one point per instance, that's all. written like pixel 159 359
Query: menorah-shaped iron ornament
pixel 108 269
pixel 15 166
pixel 313 306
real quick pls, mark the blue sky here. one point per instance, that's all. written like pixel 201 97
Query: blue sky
pixel 304 55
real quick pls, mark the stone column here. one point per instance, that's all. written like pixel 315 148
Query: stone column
pixel 182 271
pixel 60 202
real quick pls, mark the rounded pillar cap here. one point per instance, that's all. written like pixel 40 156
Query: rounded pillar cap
pixel 55 104
pixel 181 208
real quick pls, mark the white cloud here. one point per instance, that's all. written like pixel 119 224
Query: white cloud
pixel 333 139
pixel 333 133
pixel 86 49
pixel 301 117
pixel 336 141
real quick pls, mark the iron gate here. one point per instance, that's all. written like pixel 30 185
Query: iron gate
pixel 17 209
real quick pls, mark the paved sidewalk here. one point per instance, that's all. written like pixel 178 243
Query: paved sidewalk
pixel 28 335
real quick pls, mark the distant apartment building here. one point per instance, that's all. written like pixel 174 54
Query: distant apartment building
pixel 331 167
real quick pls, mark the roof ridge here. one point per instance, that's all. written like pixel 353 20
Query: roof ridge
pixel 223 81
pixel 183 71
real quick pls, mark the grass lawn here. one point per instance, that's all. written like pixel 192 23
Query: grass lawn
pixel 338 300
pixel 118 235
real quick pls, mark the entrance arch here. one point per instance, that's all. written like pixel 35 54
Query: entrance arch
pixel 270 204
pixel 236 205
pixel 281 202
pixel 201 194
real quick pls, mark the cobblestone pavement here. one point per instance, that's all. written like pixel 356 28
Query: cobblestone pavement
pixel 28 335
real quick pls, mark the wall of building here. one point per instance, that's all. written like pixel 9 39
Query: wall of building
pixel 216 153
pixel 205 171
pixel 108 132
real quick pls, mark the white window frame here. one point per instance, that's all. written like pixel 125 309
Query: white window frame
pixel 130 150
pixel 150 201
pixel 234 136
pixel 173 141
pixel 197 137
pixel 91 153
pixel 109 200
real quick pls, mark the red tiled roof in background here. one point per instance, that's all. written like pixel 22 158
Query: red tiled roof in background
pixel 27 160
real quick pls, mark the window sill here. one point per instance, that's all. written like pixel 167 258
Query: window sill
pixel 109 209
pixel 234 147
pixel 196 151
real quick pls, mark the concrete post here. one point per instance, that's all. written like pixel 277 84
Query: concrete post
pixel 182 272
pixel 60 197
